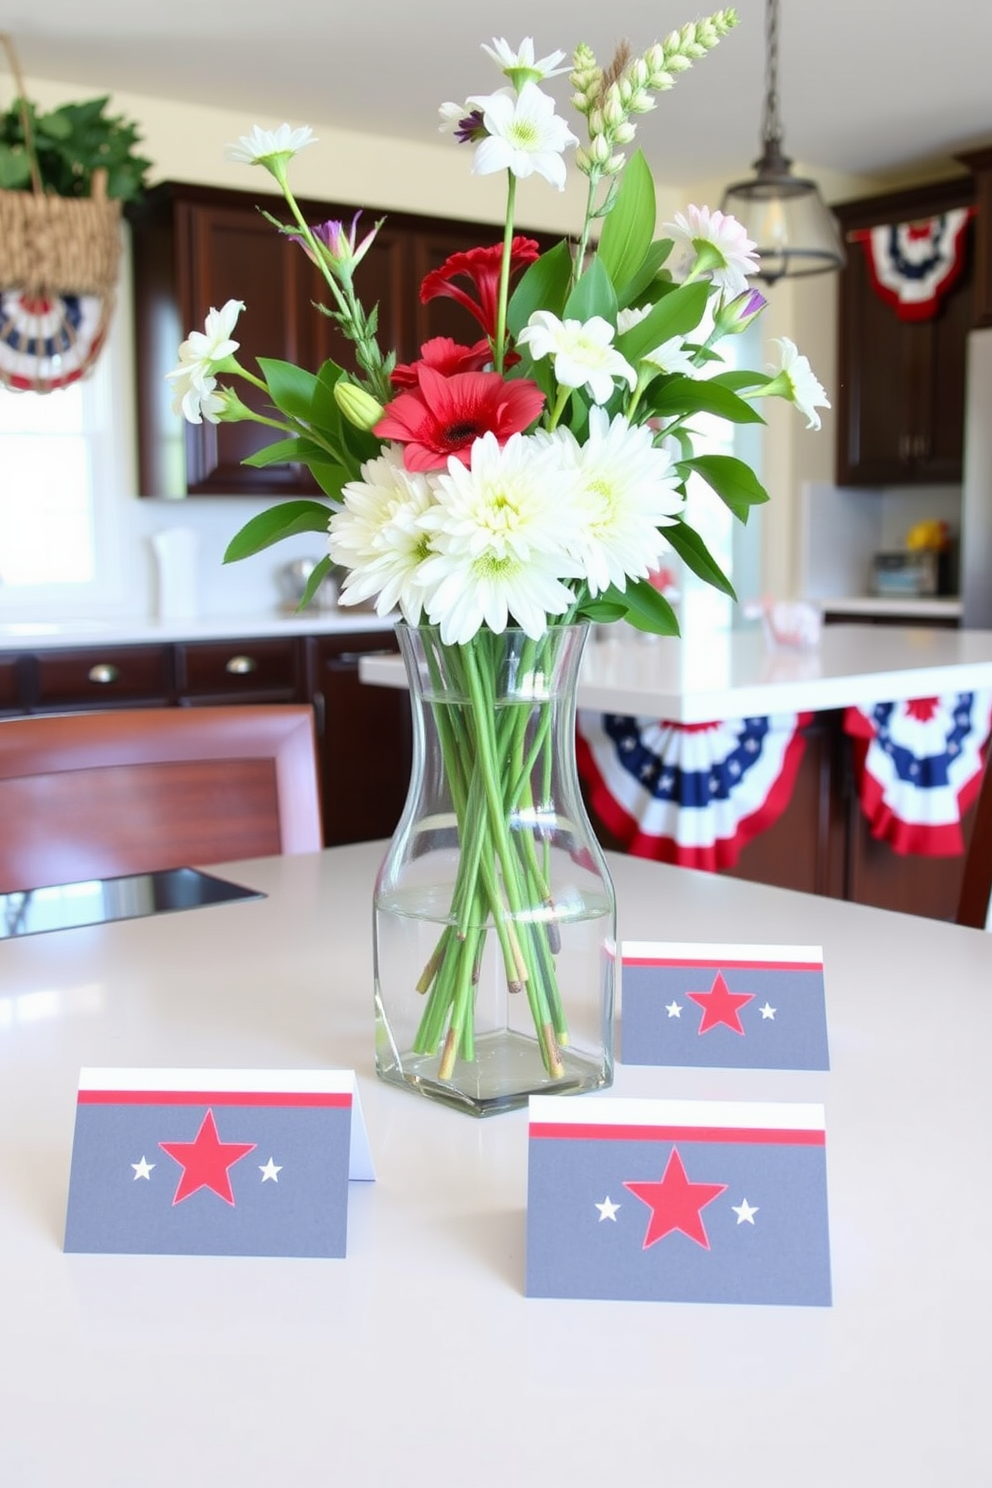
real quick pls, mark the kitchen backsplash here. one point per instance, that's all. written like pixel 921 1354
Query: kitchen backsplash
pixel 841 528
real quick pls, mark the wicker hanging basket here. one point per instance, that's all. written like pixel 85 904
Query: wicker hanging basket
pixel 59 267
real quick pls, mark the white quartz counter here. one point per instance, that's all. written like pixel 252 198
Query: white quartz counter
pixel 37 636
pixel 733 675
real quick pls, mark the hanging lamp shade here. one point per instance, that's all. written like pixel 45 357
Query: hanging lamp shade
pixel 785 215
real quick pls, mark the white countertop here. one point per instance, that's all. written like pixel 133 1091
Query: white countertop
pixel 733 675
pixel 36 635
pixel 876 604
pixel 419 1358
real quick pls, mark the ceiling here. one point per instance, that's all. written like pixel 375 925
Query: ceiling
pixel 867 87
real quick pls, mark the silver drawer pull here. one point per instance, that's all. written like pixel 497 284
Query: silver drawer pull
pixel 103 673
pixel 240 666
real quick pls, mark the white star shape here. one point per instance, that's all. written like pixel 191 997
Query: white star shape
pixel 673 1009
pixel 745 1212
pixel 768 1011
pixel 607 1210
pixel 143 1169
pixel 270 1170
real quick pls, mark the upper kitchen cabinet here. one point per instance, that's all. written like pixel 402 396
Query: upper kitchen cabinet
pixel 901 381
pixel 194 248
pixel 979 162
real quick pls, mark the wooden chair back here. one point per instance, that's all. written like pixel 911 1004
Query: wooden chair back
pixel 976 884
pixel 98 795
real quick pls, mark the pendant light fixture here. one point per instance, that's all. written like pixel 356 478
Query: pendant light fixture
pixel 786 217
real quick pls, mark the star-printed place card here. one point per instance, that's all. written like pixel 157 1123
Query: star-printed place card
pixel 677 1201
pixel 215 1162
pixel 735 1006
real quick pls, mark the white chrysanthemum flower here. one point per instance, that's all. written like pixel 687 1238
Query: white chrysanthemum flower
pixel 626 491
pixel 378 536
pixel 498 530
pixel 796 381
pixel 524 135
pixel 262 145
pixel 716 244
pixel 520 65
pixel 583 351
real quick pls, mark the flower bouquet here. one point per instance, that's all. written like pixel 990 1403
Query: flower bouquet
pixel 500 496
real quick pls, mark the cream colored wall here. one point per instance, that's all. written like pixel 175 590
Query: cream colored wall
pixel 188 143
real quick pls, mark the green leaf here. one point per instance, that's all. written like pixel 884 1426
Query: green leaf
pixel 740 378
pixel 629 225
pixel 602 611
pixel 286 452
pixel 593 295
pixel 271 526
pixel 695 555
pixel 320 572
pixel 543 287
pixel 331 478
pixel 682 395
pixel 325 415
pixel 734 482
pixel 676 314
pixel 644 285
pixel 291 388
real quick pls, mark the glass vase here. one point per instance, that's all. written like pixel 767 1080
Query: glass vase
pixel 495 917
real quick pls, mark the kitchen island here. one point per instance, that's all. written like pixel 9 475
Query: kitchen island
pixel 821 842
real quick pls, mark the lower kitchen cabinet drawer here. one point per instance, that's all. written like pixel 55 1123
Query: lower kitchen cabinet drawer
pixel 10 689
pixel 107 677
pixel 256 671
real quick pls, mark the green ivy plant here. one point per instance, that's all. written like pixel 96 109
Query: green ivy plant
pixel 70 143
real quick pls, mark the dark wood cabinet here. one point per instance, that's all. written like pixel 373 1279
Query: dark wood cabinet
pixel 260 670
pixel 901 382
pixel 112 676
pixel 979 162
pixel 363 733
pixel 195 248
pixel 365 739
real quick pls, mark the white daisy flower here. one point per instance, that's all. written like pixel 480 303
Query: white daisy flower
pixel 520 65
pixel 378 536
pixel 497 530
pixel 524 135
pixel 583 351
pixel 710 242
pixel 626 491
pixel 797 382
pixel 263 145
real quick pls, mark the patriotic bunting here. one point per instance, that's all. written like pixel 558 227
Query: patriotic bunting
pixel 691 794
pixel 919 767
pixel 914 264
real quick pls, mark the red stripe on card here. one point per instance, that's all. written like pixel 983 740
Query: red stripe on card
pixel 594 1132
pixel 722 965
pixel 212 1098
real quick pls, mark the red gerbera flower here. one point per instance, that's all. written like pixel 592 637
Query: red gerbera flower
pixel 445 415
pixel 481 266
pixel 443 355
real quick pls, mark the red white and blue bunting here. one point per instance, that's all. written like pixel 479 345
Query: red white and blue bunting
pixel 914 264
pixel 692 794
pixel 50 341
pixel 919 767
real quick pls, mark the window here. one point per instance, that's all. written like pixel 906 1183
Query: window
pixel 66 465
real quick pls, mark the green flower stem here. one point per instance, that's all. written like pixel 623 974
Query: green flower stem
pixel 492 757
pixel 499 349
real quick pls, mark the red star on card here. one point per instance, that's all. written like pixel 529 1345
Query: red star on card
pixel 720 1005
pixel 205 1161
pixel 675 1203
